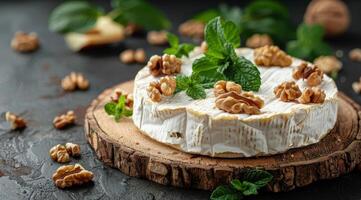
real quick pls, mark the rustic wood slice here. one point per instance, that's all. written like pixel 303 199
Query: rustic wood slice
pixel 123 146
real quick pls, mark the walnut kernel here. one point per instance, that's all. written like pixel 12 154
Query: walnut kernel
pixel 71 175
pixel 153 90
pixel 355 55
pixel 15 121
pixel 59 154
pixel 140 56
pixel 73 149
pixel 311 73
pixel 356 86
pixel 167 64
pixel 259 40
pixel 192 28
pixel 64 120
pixel 287 91
pixel 328 64
pixel 235 103
pixel 312 95
pixel 127 56
pixel 25 42
pixel 157 37
pixel 74 81
pixel 167 85
pixel 271 56
pixel 221 87
pixel 129 101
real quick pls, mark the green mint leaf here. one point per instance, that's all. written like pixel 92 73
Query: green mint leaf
pixel 231 33
pixel 266 8
pixel 141 13
pixel 258 177
pixel 74 16
pixel 247 188
pixel 127 112
pixel 182 82
pixel 246 74
pixel 173 40
pixel 225 193
pixel 177 49
pixel 121 101
pixel 117 116
pixel 193 88
pixel 110 108
pixel 196 92
pixel 206 15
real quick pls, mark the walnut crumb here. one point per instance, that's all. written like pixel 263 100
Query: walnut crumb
pixel 15 121
pixel 166 64
pixel 287 91
pixel 328 64
pixel 129 100
pixel 312 95
pixel 130 56
pixel 74 81
pixel 157 37
pixel 192 28
pixel 221 87
pixel 25 42
pixel 64 120
pixel 271 56
pixel 73 149
pixel 71 175
pixel 311 73
pixel 355 55
pixel 166 86
pixel 235 103
pixel 59 154
pixel 258 40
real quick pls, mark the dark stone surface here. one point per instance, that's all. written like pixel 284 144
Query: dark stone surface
pixel 29 85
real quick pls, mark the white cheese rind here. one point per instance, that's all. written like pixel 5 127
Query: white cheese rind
pixel 207 130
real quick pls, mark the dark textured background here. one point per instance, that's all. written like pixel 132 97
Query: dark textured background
pixel 29 85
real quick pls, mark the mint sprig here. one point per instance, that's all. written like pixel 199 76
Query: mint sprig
pixel 253 180
pixel 118 110
pixel 309 44
pixel 191 85
pixel 176 48
pixel 221 61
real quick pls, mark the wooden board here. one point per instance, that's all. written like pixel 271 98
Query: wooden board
pixel 123 146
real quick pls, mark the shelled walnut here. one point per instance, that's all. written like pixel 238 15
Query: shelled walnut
pixel 236 103
pixel 356 86
pixel 355 55
pixel 287 91
pixel 311 73
pixel 328 64
pixel 259 40
pixel 166 64
pixel 221 87
pixel 71 175
pixel 312 95
pixel 16 122
pixel 74 81
pixel 129 100
pixel 59 154
pixel 73 149
pixel 271 56
pixel 130 56
pixel 25 42
pixel 64 120
pixel 166 86
pixel 192 28
pixel 157 37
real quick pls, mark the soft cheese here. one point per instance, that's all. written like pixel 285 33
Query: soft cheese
pixel 196 126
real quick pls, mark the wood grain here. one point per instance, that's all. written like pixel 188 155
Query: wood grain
pixel 123 146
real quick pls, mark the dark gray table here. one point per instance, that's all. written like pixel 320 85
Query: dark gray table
pixel 29 85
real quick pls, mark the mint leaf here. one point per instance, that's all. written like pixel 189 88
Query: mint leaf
pixel 245 187
pixel 259 177
pixel 173 40
pixel 225 193
pixel 191 85
pixel 182 82
pixel 196 92
pixel 140 13
pixel 177 49
pixel 110 108
pixel 75 16
pixel 246 74
pixel 127 112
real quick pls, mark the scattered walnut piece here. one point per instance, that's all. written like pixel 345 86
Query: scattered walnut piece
pixel 157 37
pixel 127 56
pixel 25 42
pixel 64 120
pixel 140 56
pixel 312 95
pixel 236 103
pixel 221 87
pixel 73 149
pixel 356 86
pixel 192 28
pixel 129 101
pixel 15 121
pixel 167 64
pixel 71 175
pixel 355 55
pixel 271 56
pixel 287 91
pixel 259 40
pixel 332 15
pixel 328 64
pixel 74 81
pixel 166 86
pixel 311 73
pixel 59 154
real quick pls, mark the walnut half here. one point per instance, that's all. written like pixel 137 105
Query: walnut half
pixel 271 56
pixel 221 87
pixel 312 95
pixel 64 120
pixel 15 121
pixel 287 91
pixel 166 86
pixel 25 42
pixel 59 154
pixel 311 73
pixel 235 103
pixel 166 64
pixel 71 175
pixel 74 81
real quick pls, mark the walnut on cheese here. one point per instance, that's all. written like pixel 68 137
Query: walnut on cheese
pixel 71 175
pixel 236 103
pixel 105 31
pixel 332 15
pixel 25 42
pixel 287 91
pixel 312 95
pixel 271 56
pixel 328 64
pixel 221 87
pixel 259 40
pixel 311 73
pixel 166 64
pixel 165 86
pixel 15 121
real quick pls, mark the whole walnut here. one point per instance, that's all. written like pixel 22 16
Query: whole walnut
pixel 333 15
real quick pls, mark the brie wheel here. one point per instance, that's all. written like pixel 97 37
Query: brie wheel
pixel 197 126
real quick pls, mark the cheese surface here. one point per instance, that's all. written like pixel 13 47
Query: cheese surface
pixel 197 126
